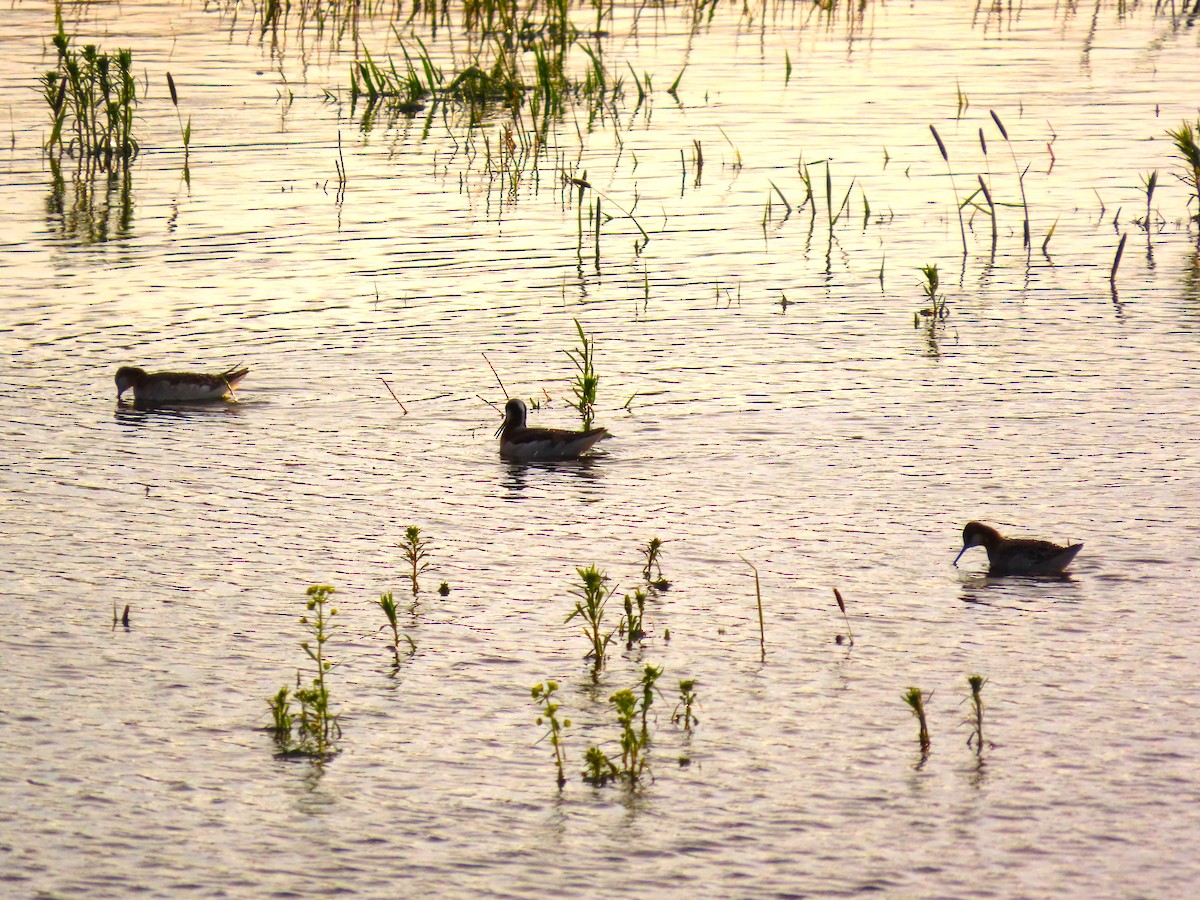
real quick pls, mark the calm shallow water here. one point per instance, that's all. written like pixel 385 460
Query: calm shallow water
pixel 827 441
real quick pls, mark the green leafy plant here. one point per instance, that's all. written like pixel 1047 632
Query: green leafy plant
pixel 92 97
pixel 586 380
pixel 542 695
pixel 632 624
pixel 314 729
pixel 652 570
pixel 388 604
pixel 414 550
pixel 683 709
pixel 593 596
pixel 937 309
pixel 598 768
pixel 650 674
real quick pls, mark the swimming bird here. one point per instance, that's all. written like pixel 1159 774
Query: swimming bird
pixel 156 388
pixel 518 441
pixel 1017 556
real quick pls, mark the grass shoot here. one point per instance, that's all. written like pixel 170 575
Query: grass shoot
pixel 916 702
pixel 683 714
pixel 593 596
pixel 586 380
pixel 762 631
pixel 976 721
pixel 414 550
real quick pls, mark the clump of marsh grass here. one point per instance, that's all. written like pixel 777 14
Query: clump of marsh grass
pixel 414 550
pixel 593 596
pixel 542 695
pixel 916 702
pixel 314 729
pixel 92 97
pixel 1187 145
pixel 1020 176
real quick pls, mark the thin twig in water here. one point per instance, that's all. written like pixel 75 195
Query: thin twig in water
pixel 394 397
pixel 497 374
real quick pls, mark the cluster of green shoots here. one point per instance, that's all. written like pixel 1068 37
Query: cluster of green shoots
pixel 313 730
pixel 937 309
pixel 92 96
pixel 632 624
pixel 916 702
pixel 632 709
pixel 519 61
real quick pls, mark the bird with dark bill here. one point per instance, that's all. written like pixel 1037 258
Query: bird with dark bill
pixel 520 442
pixel 1017 556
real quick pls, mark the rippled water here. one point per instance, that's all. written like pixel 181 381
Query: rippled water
pixel 824 439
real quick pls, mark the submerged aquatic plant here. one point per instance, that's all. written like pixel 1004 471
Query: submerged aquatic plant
pixel 313 730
